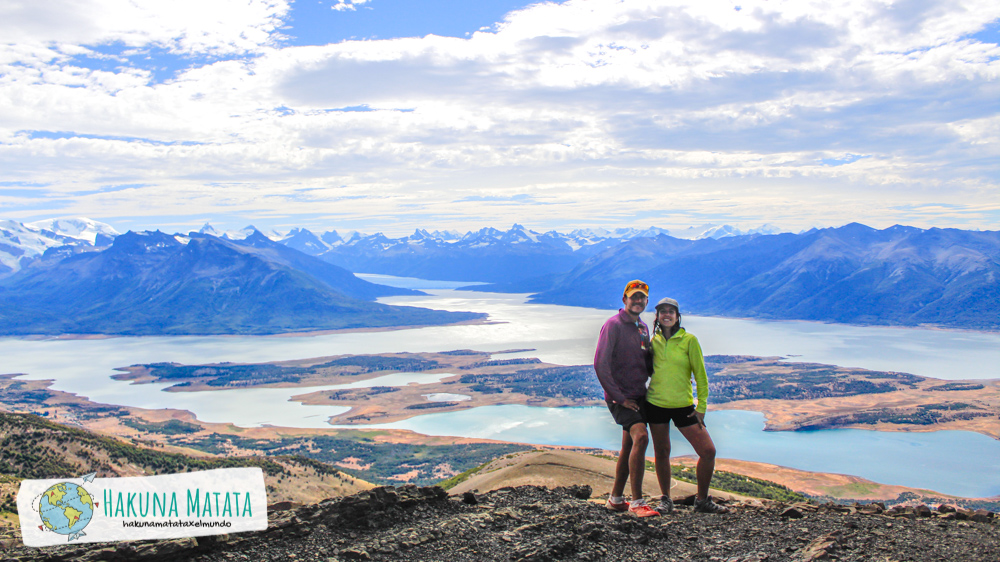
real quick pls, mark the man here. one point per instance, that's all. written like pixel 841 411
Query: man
pixel 623 365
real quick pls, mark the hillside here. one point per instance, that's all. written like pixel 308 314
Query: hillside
pixel 32 447
pixel 555 468
pixel 536 524
pixel 157 284
pixel 338 278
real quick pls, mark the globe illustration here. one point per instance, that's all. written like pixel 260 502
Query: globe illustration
pixel 66 508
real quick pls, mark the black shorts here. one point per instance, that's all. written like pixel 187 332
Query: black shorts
pixel 625 417
pixel 682 417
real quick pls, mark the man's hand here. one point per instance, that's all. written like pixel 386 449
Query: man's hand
pixel 700 417
pixel 631 405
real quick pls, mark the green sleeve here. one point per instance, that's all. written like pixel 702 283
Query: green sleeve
pixel 700 375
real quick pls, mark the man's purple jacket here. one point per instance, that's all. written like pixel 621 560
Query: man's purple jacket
pixel 621 361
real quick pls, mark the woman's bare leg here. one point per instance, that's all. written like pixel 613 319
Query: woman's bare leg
pixel 697 435
pixel 660 433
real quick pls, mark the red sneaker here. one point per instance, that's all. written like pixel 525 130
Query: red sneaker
pixel 643 510
pixel 619 506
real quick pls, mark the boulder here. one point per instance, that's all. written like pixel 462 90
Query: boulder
pixel 792 513
pixel 982 516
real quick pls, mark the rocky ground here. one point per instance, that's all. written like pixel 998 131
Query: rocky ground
pixel 535 524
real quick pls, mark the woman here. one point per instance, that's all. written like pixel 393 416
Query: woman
pixel 676 356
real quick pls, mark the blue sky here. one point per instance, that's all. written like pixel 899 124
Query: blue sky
pixel 316 23
pixel 391 115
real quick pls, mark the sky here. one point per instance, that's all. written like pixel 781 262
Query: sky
pixel 391 115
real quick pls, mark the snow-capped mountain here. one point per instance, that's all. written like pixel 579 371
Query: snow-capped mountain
pixel 716 231
pixel 487 254
pixel 239 234
pixel 210 230
pixel 80 228
pixel 306 242
pixel 21 243
pixel 766 230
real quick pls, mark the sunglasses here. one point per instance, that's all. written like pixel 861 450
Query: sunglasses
pixel 636 286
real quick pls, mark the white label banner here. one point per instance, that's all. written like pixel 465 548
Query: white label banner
pixel 190 504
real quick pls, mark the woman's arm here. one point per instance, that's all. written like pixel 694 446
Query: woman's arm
pixel 700 375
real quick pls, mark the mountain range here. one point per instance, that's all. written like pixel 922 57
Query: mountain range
pixel 152 283
pixel 487 255
pixel 853 274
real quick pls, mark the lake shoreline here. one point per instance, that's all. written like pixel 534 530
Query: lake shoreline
pixel 302 334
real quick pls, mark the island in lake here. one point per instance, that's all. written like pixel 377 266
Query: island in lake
pixel 792 395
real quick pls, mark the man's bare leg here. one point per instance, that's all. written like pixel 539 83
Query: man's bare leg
pixel 621 469
pixel 637 457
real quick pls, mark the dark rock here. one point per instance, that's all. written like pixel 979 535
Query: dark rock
pixel 212 540
pixel 870 509
pixel 283 506
pixel 355 554
pixel 792 513
pixel 162 550
pixel 982 516
pixel 578 492
pixel 922 511
pixel 819 548
pixel 687 500
pixel 907 512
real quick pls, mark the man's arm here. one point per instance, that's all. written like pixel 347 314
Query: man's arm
pixel 602 362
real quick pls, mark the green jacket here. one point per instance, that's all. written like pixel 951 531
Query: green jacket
pixel 674 361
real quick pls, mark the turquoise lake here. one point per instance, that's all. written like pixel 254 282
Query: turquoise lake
pixel 961 463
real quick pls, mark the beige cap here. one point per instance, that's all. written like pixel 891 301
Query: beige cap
pixel 667 300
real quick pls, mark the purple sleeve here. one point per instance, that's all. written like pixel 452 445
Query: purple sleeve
pixel 603 362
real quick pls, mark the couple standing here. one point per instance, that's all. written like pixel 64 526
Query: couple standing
pixel 626 355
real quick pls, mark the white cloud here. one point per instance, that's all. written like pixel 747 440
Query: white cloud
pixel 701 108
pixel 182 26
pixel 345 5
